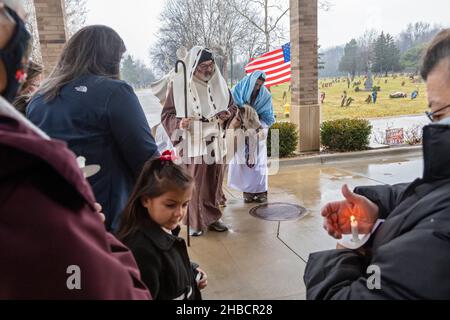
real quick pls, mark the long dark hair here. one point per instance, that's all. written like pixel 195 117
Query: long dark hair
pixel 157 177
pixel 34 70
pixel 95 50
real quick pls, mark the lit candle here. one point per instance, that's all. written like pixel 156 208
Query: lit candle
pixel 81 162
pixel 355 231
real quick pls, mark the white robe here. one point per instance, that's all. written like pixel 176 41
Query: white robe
pixel 204 101
pixel 250 180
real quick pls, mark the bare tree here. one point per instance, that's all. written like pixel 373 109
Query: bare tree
pixel 325 5
pixel 237 30
pixel 76 13
pixel 254 47
pixel 265 16
pixel 32 28
pixel 366 44
pixel 209 23
pixel 416 34
pixel 180 27
pixel 268 17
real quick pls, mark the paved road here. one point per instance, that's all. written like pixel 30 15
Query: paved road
pixel 263 260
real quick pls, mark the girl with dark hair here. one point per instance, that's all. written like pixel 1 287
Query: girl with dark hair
pixel 84 103
pixel 150 228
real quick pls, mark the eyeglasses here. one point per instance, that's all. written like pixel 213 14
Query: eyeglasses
pixel 432 115
pixel 205 67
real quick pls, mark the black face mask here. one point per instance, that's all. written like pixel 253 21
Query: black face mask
pixel 15 57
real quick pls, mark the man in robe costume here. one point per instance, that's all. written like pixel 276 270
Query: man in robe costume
pixel 199 136
pixel 251 177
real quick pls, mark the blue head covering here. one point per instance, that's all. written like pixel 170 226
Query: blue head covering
pixel 242 94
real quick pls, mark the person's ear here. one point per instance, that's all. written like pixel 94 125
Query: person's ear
pixel 146 202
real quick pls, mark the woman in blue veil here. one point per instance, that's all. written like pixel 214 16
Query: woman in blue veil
pixel 252 179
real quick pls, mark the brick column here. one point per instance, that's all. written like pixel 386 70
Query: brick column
pixel 52 30
pixel 305 108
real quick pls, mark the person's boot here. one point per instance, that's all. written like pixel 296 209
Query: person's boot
pixel 195 233
pixel 249 197
pixel 219 226
pixel 261 197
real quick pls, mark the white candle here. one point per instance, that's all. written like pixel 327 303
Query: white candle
pixel 355 231
pixel 81 162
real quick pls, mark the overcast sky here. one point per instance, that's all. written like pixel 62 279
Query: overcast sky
pixel 349 19
pixel 137 20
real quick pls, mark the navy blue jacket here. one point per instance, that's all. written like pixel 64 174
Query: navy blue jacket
pixel 102 120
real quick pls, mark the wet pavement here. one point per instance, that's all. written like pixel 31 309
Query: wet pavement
pixel 264 260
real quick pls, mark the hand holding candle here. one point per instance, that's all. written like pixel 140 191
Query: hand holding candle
pixel 337 215
pixel 355 230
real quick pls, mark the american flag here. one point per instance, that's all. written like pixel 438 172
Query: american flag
pixel 276 64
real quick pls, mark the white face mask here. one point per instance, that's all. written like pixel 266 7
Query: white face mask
pixel 445 122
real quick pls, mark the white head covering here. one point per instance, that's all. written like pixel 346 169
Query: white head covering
pixel 204 100
pixel 216 94
pixel 160 88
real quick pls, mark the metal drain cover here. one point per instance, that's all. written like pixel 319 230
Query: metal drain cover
pixel 278 212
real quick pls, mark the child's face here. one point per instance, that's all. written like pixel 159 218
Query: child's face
pixel 169 209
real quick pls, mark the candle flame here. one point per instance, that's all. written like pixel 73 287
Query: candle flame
pixel 352 219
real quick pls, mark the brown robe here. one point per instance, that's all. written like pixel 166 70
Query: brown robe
pixel 204 207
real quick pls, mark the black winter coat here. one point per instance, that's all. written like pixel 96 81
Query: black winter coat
pixel 411 249
pixel 164 263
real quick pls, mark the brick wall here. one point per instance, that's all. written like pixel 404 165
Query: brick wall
pixel 52 31
pixel 305 109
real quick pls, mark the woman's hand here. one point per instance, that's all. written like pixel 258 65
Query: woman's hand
pixel 98 210
pixel 236 122
pixel 203 283
pixel 337 214
pixel 224 116
pixel 185 123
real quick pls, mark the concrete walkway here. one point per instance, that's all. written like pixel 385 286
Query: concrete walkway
pixel 260 260
pixel 250 262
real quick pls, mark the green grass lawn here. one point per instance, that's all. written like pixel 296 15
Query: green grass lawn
pixel 385 106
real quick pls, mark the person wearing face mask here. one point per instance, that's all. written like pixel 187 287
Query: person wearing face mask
pixel 410 252
pixel 53 244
